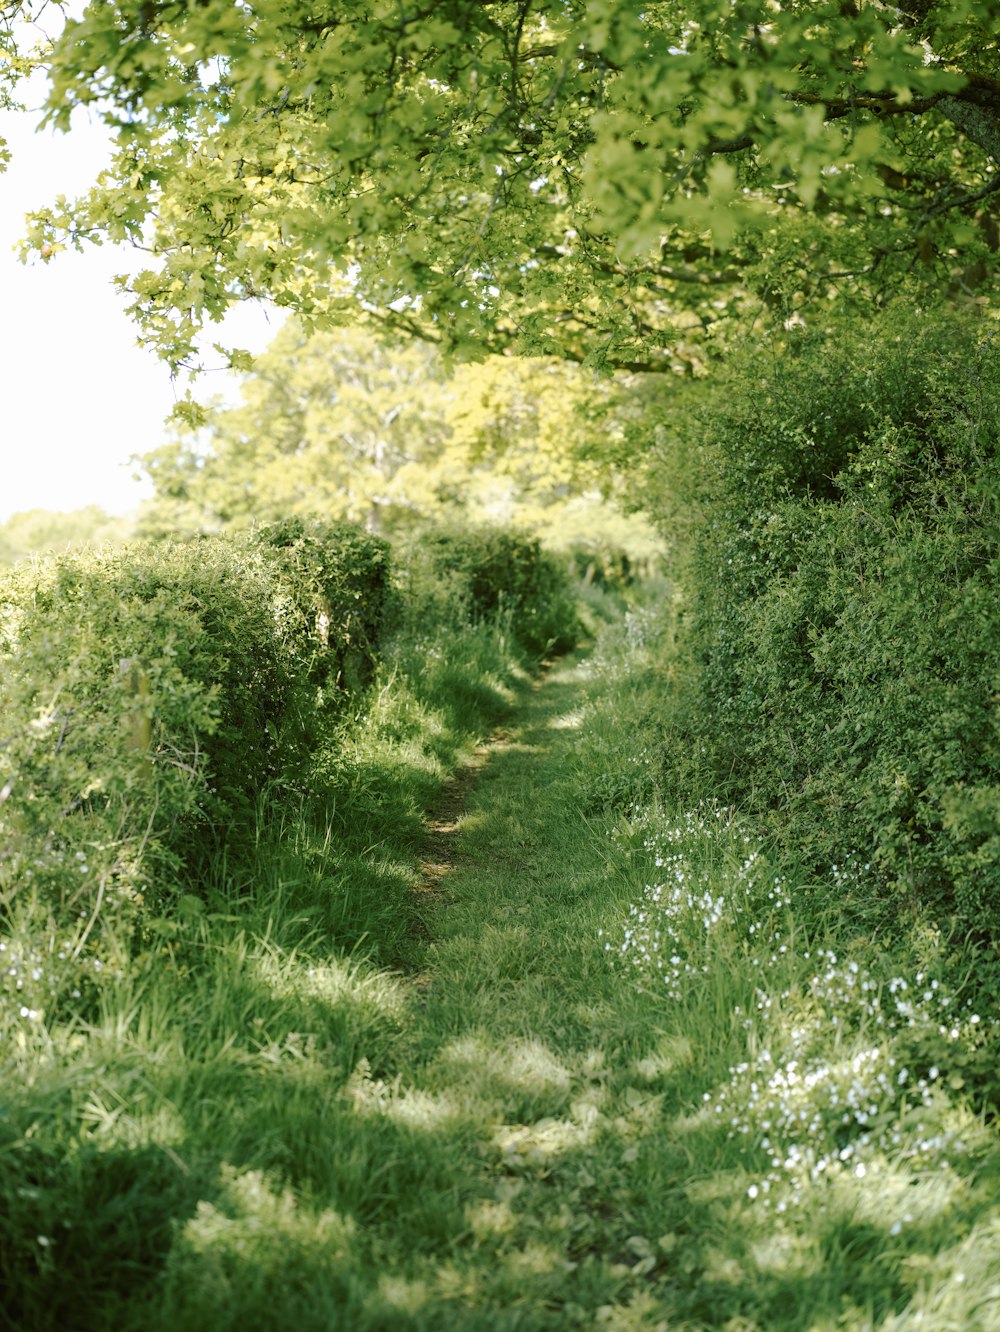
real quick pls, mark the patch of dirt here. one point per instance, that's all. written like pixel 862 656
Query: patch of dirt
pixel 442 822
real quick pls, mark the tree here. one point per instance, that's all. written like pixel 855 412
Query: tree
pixel 327 425
pixel 35 531
pixel 590 179
pixel 336 423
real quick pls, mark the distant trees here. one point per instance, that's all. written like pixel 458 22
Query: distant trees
pixel 37 530
pixel 339 423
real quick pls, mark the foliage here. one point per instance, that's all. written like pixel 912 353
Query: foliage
pixel 150 696
pixel 844 609
pixel 36 531
pixel 341 423
pixel 337 423
pixel 476 576
pixel 339 577
pixel 587 180
pixel 531 1131
pixel 155 696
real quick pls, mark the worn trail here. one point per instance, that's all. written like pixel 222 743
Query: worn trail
pixel 531 1092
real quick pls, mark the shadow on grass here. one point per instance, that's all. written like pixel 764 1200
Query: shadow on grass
pixel 284 1172
pixel 291 1138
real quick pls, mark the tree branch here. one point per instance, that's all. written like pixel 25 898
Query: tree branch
pixel 977 118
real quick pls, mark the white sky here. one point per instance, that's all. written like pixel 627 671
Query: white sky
pixel 78 397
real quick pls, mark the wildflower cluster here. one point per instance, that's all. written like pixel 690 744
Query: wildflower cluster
pixel 855 1070
pixel 711 880
pixel 33 977
pixel 846 1068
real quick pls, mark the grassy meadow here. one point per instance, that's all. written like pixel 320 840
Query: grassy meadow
pixel 525 1049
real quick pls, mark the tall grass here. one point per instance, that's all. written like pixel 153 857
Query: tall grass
pixel 204 1078
pixel 632 1072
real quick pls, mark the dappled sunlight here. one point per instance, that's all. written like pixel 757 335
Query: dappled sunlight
pixel 515 747
pixel 420 759
pixel 669 1054
pixel 518 1063
pixel 535 1259
pixel 491 1219
pixel 470 821
pixel 334 981
pixel 956 1288
pixel 787 1256
pixel 518 1131
pixel 534 1144
pixel 252 1240
pixel 411 1106
pixel 250 1205
pixel 569 721
pixel 399 1295
pixel 895 1200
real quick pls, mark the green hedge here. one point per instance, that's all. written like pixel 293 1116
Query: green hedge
pixel 481 574
pixel 152 695
pixel 845 614
pixel 340 579
pixel 149 695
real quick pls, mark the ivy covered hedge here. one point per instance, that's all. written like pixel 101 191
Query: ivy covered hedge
pixel 845 610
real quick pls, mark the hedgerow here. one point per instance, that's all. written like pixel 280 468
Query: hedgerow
pixel 153 695
pixel 149 695
pixel 340 578
pixel 474 576
pixel 844 620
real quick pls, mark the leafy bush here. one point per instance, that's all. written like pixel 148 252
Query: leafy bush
pixel 844 608
pixel 475 576
pixel 149 695
pixel 339 576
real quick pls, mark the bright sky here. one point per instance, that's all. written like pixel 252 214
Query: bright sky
pixel 77 396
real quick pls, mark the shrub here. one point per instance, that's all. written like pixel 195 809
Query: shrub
pixel 485 573
pixel 844 609
pixel 339 577
pixel 149 694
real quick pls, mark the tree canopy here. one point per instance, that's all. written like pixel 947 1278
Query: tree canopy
pixel 593 179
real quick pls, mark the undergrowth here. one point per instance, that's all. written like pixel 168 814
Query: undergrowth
pixel 636 1071
pixel 210 1062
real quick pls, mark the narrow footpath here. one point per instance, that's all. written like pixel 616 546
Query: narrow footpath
pixel 607 1080
pixel 564 1141
pixel 545 1092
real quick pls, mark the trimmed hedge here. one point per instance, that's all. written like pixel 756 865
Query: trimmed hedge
pixel 845 620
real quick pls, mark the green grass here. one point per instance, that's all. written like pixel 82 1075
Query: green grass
pixel 297 1110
